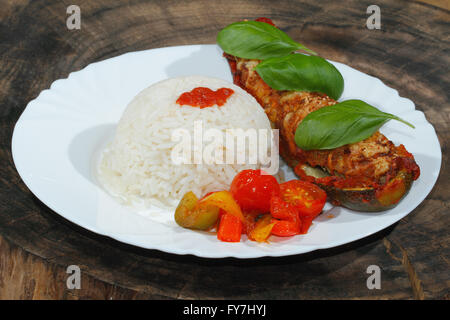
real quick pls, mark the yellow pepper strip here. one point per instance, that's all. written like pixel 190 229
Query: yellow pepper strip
pixel 225 201
pixel 262 229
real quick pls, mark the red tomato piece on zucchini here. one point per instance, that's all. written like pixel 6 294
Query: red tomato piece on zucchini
pixel 266 20
pixel 308 198
pixel 253 189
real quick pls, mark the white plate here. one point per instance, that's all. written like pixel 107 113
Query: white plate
pixel 57 138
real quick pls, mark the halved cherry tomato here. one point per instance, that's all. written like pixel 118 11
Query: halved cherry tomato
pixel 283 210
pixel 308 198
pixel 253 190
pixel 306 223
pixel 230 228
pixel 284 228
pixel 287 220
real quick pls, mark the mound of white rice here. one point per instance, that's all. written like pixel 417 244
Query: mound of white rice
pixel 138 165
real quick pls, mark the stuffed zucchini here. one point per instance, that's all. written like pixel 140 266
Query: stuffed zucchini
pixel 370 175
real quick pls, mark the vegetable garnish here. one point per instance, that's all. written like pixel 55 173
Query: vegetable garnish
pixel 286 218
pixel 225 201
pixel 193 214
pixel 230 228
pixel 305 196
pixel 281 69
pixel 253 190
pixel 346 122
pixel 265 208
pixel 285 228
pixel 202 214
pixel 300 72
pixel 262 229
pixel 257 40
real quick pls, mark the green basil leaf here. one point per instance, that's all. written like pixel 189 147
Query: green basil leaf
pixel 257 40
pixel 300 72
pixel 334 126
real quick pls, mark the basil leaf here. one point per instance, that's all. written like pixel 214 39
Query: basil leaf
pixel 334 126
pixel 300 72
pixel 256 40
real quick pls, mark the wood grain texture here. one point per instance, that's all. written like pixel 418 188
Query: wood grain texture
pixel 409 53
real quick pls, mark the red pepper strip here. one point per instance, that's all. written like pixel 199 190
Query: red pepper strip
pixel 230 228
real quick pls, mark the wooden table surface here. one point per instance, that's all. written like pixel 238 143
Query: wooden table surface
pixel 409 53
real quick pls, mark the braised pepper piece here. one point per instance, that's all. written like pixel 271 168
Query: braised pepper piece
pixel 230 228
pixel 262 228
pixel 225 201
pixel 194 214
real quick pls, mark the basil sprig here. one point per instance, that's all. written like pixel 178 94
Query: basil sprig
pixel 300 72
pixel 334 126
pixel 257 40
pixel 327 128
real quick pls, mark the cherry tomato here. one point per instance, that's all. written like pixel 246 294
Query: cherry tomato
pixel 289 223
pixel 280 209
pixel 284 228
pixel 308 198
pixel 253 189
pixel 306 223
